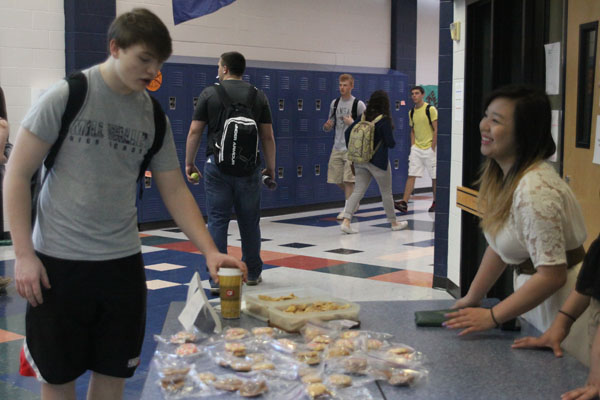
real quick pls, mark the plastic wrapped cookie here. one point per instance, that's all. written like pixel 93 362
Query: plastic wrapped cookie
pixel 340 380
pixel 253 388
pixel 235 333
pixel 187 349
pixel 317 391
pixel 263 331
pixel 228 383
pixel 236 348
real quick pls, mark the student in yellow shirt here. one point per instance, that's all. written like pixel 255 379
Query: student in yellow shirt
pixel 423 139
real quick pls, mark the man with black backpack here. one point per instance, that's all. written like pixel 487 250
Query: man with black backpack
pixel 82 270
pixel 342 113
pixel 237 115
pixel 423 139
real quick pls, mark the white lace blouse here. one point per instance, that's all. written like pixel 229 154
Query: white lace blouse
pixel 545 221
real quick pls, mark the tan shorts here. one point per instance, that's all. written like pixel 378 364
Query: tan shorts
pixel 339 169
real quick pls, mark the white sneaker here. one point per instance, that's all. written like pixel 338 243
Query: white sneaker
pixel 347 229
pixel 401 225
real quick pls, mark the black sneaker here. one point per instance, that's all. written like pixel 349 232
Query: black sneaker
pixel 254 282
pixel 432 208
pixel 401 206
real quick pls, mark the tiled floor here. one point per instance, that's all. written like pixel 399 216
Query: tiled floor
pixel 300 250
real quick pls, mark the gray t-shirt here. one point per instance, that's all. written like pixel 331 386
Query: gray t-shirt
pixel 344 108
pixel 209 107
pixel 86 209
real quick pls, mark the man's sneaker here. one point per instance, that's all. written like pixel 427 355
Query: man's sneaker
pixel 254 282
pixel 432 208
pixel 4 282
pixel 401 206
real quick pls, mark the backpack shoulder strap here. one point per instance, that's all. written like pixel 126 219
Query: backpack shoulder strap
pixel 411 115
pixel 355 109
pixel 223 96
pixel 251 99
pixel 77 93
pixel 160 127
pixel 335 106
pixel 428 114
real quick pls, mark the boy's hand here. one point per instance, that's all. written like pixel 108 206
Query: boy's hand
pixel 328 125
pixel 216 261
pixel 348 120
pixel 29 271
pixel 193 174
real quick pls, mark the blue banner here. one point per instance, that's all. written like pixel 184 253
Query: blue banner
pixel 184 10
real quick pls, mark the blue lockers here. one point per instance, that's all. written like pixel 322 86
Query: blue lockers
pixel 300 102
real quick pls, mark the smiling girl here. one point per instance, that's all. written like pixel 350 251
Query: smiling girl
pixel 531 219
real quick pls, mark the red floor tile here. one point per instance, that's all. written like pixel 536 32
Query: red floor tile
pixel 304 262
pixel 414 278
pixel 186 246
pixel 6 336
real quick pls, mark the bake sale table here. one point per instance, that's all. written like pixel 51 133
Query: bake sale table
pixel 480 365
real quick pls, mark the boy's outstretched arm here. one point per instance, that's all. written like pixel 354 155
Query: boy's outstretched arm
pixel 26 157
pixel 184 210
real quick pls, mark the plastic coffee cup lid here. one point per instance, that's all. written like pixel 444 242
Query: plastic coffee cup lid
pixel 230 272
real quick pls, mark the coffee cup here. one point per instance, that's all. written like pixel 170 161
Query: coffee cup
pixel 230 292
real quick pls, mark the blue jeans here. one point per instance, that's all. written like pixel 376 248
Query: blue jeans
pixel 224 192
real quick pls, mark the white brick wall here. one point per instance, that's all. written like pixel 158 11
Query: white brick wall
pixel 454 218
pixel 32 52
pixel 32 46
pixel 343 32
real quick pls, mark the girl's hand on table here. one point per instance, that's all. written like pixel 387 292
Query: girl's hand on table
pixel 470 320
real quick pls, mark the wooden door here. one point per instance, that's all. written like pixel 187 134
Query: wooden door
pixel 583 176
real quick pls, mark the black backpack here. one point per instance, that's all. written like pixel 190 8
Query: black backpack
pixel 78 87
pixel 412 112
pixel 354 110
pixel 236 146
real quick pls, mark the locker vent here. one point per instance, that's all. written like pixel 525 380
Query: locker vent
pixel 177 78
pixel 265 82
pixel 304 83
pixel 284 83
pixel 200 79
pixel 322 84
pixel 303 125
pixel 387 85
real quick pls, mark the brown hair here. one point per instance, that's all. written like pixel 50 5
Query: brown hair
pixel 235 62
pixel 347 77
pixel 379 103
pixel 534 143
pixel 141 26
pixel 3 113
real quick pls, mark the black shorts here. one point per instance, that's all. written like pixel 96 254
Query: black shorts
pixel 93 318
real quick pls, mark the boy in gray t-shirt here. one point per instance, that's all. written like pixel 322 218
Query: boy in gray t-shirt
pixel 83 274
pixel 339 169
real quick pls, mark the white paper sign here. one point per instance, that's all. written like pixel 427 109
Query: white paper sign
pixel 597 142
pixel 458 101
pixel 196 300
pixel 552 67
pixel 554 130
